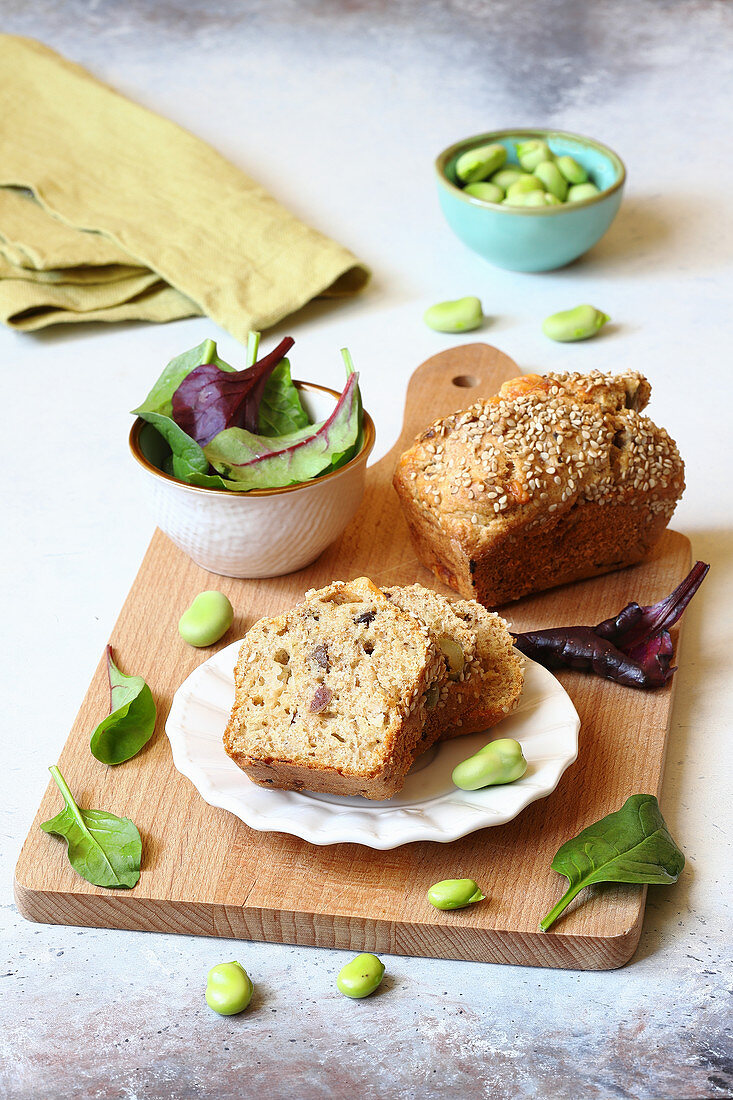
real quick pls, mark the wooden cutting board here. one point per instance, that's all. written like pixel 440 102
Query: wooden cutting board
pixel 205 873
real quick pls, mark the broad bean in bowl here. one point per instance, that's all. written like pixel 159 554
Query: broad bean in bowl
pixel 550 198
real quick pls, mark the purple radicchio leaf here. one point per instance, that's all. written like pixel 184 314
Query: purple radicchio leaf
pixel 209 399
pixel 633 648
pixel 654 655
pixel 635 624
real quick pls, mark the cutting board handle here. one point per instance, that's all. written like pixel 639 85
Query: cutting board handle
pixel 449 381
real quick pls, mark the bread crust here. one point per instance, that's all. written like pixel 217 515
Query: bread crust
pixel 555 479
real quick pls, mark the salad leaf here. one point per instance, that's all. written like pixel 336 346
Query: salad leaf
pixel 160 397
pixel 104 849
pixel 631 845
pixel 186 456
pixel 131 721
pixel 252 462
pixel 280 409
pixel 341 458
pixel 185 459
pixel 580 648
pixel 635 625
pixel 187 465
pixel 264 396
pixel 209 400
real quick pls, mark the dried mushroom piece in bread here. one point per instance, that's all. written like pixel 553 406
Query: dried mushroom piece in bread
pixel 556 478
pixel 332 695
pixel 484 670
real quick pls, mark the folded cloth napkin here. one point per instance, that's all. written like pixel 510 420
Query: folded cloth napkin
pixel 50 273
pixel 109 212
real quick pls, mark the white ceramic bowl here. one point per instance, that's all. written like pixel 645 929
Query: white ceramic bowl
pixel 264 532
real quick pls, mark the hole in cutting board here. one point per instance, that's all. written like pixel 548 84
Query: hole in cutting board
pixel 465 381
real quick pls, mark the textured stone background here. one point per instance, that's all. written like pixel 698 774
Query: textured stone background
pixel 338 109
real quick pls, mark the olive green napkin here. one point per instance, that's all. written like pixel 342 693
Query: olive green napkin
pixel 109 212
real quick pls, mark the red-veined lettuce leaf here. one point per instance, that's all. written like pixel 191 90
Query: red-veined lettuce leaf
pixel 254 462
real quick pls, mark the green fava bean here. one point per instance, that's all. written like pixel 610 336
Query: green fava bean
pixel 360 977
pixel 453 654
pixel 505 177
pixel 498 762
pixel 530 198
pixel 454 893
pixel 571 170
pixel 552 179
pixel 206 620
pixel 463 315
pixel 574 324
pixel 523 186
pixel 580 191
pixel 532 153
pixel 477 164
pixel 228 988
pixel 487 192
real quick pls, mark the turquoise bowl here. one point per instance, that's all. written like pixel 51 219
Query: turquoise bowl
pixel 531 238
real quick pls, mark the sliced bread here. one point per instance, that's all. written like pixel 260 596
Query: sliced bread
pixel 483 669
pixel 496 677
pixel 332 695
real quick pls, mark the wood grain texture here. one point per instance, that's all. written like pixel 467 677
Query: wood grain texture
pixel 205 873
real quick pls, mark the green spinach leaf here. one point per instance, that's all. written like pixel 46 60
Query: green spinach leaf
pixel 186 456
pixel 160 397
pixel 281 411
pixel 104 849
pixel 131 721
pixel 631 845
pixel 184 459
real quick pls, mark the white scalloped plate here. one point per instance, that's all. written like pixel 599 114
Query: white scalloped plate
pixel 429 807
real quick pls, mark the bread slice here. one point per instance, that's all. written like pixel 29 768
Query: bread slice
pixel 483 669
pixel 331 696
pixel 497 671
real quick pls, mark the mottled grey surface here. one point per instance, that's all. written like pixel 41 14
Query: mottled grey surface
pixel 339 109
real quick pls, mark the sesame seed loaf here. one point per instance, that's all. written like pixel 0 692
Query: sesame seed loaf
pixel 556 478
pixel 331 696
pixel 484 670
